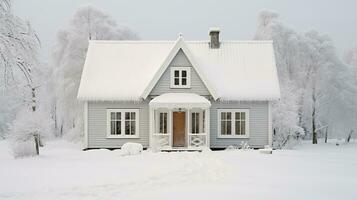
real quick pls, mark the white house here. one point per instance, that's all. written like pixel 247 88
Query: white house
pixel 179 94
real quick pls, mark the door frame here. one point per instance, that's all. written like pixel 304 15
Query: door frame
pixel 185 127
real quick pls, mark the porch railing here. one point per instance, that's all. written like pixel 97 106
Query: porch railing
pixel 197 139
pixel 161 140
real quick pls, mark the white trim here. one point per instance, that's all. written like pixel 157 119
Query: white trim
pixel 179 44
pixel 246 111
pixel 85 128
pixel 170 128
pixel 270 126
pixel 187 127
pixel 188 77
pixel 207 128
pixel 137 119
pixel 151 126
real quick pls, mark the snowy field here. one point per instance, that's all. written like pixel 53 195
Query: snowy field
pixel 63 171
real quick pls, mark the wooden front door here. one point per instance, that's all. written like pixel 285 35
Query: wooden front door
pixel 178 129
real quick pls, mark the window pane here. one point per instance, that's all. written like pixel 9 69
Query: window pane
pixel 184 73
pixel 112 115
pixel 118 114
pixel 229 115
pixel 243 116
pixel 177 73
pixel 204 121
pixel 238 115
pixel 161 123
pixel 176 81
pixel 127 127
pixel 118 126
pixel 223 115
pixel 127 115
pixel 112 128
pixel 229 127
pixel 197 122
pixel 238 132
pixel 132 115
pixel 132 128
pixel 193 123
pixel 223 128
pixel 243 128
pixel 165 123
pixel 184 81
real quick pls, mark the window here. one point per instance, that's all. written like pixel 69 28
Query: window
pixel 180 77
pixel 122 123
pixel 195 126
pixel 163 123
pixel 233 123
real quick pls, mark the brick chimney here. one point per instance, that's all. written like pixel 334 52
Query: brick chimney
pixel 214 38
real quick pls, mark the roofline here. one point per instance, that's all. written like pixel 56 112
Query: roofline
pixel 173 41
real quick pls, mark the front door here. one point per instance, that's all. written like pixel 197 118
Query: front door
pixel 178 129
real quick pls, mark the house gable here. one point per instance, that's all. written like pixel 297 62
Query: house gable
pixel 179 46
pixel 163 85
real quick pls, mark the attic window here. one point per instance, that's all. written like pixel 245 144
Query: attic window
pixel 180 77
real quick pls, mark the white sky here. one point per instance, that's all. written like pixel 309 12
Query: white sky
pixel 164 19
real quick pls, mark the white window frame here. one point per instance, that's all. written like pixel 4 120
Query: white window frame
pixel 137 118
pixel 233 124
pixel 180 69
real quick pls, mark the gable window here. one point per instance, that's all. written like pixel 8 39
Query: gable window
pixel 180 77
pixel 233 123
pixel 122 123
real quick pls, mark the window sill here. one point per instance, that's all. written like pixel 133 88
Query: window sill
pixel 180 87
pixel 122 137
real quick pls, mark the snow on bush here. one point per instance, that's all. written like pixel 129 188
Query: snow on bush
pixel 22 130
pixel 131 148
pixel 23 148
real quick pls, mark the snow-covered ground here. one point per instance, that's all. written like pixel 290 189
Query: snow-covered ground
pixel 63 171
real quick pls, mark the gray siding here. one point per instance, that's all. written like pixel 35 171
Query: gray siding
pixel 97 124
pixel 258 124
pixel 163 85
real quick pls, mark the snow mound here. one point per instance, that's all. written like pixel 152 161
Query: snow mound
pixel 131 148
pixel 21 149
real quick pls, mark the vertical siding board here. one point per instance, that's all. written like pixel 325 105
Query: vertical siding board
pixel 163 85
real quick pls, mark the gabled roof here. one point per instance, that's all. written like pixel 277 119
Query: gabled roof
pixel 128 70
pixel 179 44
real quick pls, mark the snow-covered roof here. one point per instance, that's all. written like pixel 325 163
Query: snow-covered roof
pixel 180 100
pixel 125 70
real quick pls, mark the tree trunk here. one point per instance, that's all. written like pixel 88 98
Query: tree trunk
pixel 326 132
pixel 37 143
pixel 314 131
pixel 349 137
pixel 37 138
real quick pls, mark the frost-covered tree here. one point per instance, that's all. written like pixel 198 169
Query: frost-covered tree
pixel 19 48
pixel 27 127
pixel 88 23
pixel 23 83
pixel 285 112
pixel 314 82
